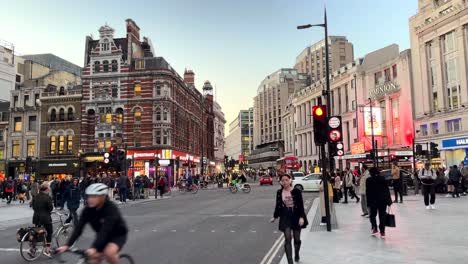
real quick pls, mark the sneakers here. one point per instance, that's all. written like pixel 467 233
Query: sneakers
pixel 374 232
pixel 432 207
pixel 382 235
pixel 363 215
pixel 323 224
pixel 428 207
pixel 448 195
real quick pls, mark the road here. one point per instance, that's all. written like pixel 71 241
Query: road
pixel 213 226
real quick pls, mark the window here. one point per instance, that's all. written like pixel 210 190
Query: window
pixel 342 58
pixel 377 77
pixel 451 70
pixel 453 125
pixel 105 66
pixel 387 75
pixel 15 151
pixel 396 121
pixel 119 116
pixel 158 137
pixel 105 45
pixel 18 125
pixel 137 115
pixel 62 114
pixel 108 143
pixel 31 147
pixel 108 118
pixel 339 100
pixel 140 64
pixel 70 114
pixel 165 137
pixel 115 91
pixel 2 154
pixel 353 105
pixel 454 96
pixel 53 144
pixel 423 129
pixel 1 136
pixel 157 90
pixel 61 145
pixel 69 144
pixel 354 123
pixel 32 123
pixel 435 128
pixel 100 144
pixel 26 100
pixel 115 65
pixel 449 42
pixel 394 71
pixel 15 101
pixel 97 66
pixel 137 89
pixel 36 99
pixel 62 91
pixel 165 115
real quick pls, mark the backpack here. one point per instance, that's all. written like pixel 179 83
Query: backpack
pixel 9 185
pixel 24 188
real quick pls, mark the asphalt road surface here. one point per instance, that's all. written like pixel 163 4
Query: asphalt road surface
pixel 213 226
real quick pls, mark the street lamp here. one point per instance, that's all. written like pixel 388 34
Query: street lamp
pixel 327 94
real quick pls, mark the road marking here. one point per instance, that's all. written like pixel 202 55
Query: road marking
pixel 232 231
pixel 212 231
pixel 173 231
pixel 192 231
pixel 136 230
pixel 154 230
pixel 253 231
pixel 9 249
pixel 268 258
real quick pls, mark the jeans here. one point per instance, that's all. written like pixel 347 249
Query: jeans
pixel 382 210
pixel 397 188
pixel 456 185
pixel 146 192
pixel 123 195
pixel 351 192
pixel 429 190
pixel 416 186
pixel 365 209
pixel 8 196
pixel 73 216
pixel 288 236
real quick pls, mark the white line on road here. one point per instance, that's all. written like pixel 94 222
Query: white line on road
pixel 173 231
pixel 192 231
pixel 253 231
pixel 232 231
pixel 154 230
pixel 269 255
pixel 9 249
pixel 212 231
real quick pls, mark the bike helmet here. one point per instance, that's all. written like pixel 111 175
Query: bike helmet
pixel 97 189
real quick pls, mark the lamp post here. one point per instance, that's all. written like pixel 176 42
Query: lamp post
pixel 327 94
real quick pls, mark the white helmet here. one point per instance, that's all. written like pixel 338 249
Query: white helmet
pixel 97 189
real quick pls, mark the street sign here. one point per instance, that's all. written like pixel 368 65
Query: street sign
pixel 106 155
pixel 340 152
pixel 334 122
pixel 106 161
pixel 335 135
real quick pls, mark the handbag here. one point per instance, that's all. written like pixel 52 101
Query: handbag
pixel 390 218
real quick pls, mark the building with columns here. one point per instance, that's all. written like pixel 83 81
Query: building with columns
pixel 439 48
pixel 219 143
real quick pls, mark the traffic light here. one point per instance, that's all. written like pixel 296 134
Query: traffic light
pixel 320 123
pixel 393 157
pixel 434 150
pixel 419 150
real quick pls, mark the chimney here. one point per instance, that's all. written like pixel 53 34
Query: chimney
pixel 189 77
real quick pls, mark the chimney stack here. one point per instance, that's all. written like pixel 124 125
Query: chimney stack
pixel 189 77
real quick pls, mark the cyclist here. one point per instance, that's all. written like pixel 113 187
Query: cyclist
pixel 42 206
pixel 106 220
pixel 188 179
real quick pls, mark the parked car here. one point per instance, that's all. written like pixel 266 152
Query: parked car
pixel 266 179
pixel 310 182
pixel 297 175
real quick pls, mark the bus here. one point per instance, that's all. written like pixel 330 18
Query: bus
pixel 287 164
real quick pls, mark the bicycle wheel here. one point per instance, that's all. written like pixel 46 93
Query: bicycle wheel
pixel 233 189
pixel 63 235
pixel 246 189
pixel 31 250
pixel 194 189
pixel 126 259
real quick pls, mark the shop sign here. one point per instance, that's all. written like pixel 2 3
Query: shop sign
pixel 142 154
pixel 354 156
pixel 455 143
pixel 383 89
pixel 93 158
pixel 57 164
pixel 376 118
pixel 403 153
pixel 357 148
pixel 164 162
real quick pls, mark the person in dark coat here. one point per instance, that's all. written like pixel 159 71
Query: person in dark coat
pixel 292 218
pixel 9 187
pixel 123 186
pixel 42 206
pixel 455 177
pixel 72 197
pixel 378 198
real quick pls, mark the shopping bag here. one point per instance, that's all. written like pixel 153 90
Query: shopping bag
pixel 390 218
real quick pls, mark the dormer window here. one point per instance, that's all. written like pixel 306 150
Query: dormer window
pixel 105 45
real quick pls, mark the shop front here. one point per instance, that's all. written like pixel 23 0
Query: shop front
pixel 455 151
pixel 93 163
pixel 48 169
pixel 18 169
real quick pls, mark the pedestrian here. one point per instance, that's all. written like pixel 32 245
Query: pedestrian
pixel 362 190
pixel 323 211
pixel 54 188
pixel 349 185
pixel 464 171
pixel 292 218
pixel 428 176
pixel 448 181
pixel 34 188
pixel 123 185
pixel 72 197
pixel 21 190
pixel 161 186
pixel 43 207
pixel 9 189
pixel 337 188
pixel 416 182
pixel 397 182
pixel 146 186
pixel 378 198
pixel 455 177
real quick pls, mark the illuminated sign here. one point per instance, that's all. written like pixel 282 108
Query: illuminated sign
pixel 383 89
pixel 376 117
pixel 357 148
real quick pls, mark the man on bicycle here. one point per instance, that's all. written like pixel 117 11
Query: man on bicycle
pixel 106 220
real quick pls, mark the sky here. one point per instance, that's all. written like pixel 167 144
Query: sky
pixel 233 44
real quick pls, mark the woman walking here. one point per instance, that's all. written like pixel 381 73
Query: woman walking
pixel 378 198
pixel 290 211
pixel 42 206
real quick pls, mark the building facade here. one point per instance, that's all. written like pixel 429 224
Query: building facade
pixel 219 143
pixel 439 47
pixel 135 100
pixel 4 120
pixel 7 70
pixel 239 142
pixel 311 61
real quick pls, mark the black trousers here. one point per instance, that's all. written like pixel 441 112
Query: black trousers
pixel 73 216
pixel 456 185
pixel 351 192
pixel 397 188
pixel 289 234
pixel 8 196
pixel 382 211
pixel 429 190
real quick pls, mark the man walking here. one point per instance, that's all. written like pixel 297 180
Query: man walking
pixel 378 198
pixel 9 189
pixel 397 183
pixel 362 190
pixel 428 176
pixel 349 182
pixel 123 188
pixel 455 177
pixel 146 186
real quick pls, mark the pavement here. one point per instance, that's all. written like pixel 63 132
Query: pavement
pixel 421 237
pixel 210 227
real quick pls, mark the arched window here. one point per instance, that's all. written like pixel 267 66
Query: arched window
pixel 69 143
pixel 105 65
pixel 61 145
pixel 137 115
pixel 53 115
pixel 158 114
pixel 97 66
pixel 62 114
pixel 115 65
pixel 165 115
pixel 70 114
pixel 119 115
pixel 53 144
pixel 62 91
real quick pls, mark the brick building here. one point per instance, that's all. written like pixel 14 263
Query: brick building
pixel 135 100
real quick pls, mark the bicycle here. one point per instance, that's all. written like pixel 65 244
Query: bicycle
pixel 236 187
pixel 84 258
pixel 64 229
pixel 33 243
pixel 193 188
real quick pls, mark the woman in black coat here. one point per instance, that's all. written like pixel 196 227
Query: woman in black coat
pixel 378 198
pixel 72 197
pixel 292 218
pixel 42 206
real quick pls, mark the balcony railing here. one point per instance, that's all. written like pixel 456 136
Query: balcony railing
pixel 58 94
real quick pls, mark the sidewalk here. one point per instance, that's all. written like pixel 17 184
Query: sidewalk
pixel 421 236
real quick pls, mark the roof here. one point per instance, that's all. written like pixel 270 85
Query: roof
pixel 119 42
pixel 54 62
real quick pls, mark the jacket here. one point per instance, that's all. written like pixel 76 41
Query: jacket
pixel 42 206
pixel 281 211
pixel 396 173
pixel 72 196
pixel 122 182
pixel 455 175
pixel 34 188
pixel 362 182
pixel 377 192
pixel 348 179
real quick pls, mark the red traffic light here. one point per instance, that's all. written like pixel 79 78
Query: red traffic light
pixel 111 149
pixel 318 111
